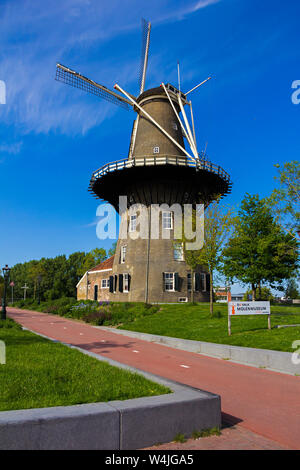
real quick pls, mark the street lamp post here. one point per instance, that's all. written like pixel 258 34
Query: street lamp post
pixel 6 274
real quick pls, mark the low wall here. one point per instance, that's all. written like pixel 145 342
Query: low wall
pixel 274 360
pixel 116 425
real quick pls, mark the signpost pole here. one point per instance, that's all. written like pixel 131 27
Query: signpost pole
pixel 229 320
pixel 269 321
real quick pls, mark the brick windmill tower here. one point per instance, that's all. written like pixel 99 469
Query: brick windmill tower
pixel 158 173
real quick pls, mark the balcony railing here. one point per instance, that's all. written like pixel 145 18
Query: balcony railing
pixel 202 164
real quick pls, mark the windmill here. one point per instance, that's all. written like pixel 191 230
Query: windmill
pixel 159 169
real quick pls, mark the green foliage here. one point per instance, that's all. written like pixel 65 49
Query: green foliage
pixel 97 313
pixel 285 199
pixel 112 250
pixel 218 224
pixel 259 252
pixel 196 323
pixel 291 290
pixel 180 438
pixel 40 373
pixel 53 278
pixel 263 294
pixel 206 433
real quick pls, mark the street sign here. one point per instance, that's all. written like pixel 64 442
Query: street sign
pixel 248 308
pixel 12 284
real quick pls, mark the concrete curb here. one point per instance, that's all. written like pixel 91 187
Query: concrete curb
pixel 277 361
pixel 116 425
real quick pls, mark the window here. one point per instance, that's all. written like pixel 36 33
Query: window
pixel 178 252
pixel 167 220
pixel 123 253
pixel 174 125
pixel 132 223
pixel 155 149
pixel 125 282
pixel 169 282
pixel 105 284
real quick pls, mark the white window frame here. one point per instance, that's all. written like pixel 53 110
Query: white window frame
pixel 106 282
pixel 167 215
pixel 132 223
pixel 125 282
pixel 123 253
pixel 156 149
pixel 178 248
pixel 169 278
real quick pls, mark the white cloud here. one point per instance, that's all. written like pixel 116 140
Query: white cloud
pixel 73 32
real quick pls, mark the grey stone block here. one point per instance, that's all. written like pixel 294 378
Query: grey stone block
pixel 148 421
pixel 92 426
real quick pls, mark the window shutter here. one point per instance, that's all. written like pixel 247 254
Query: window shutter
pixel 129 279
pixel 201 283
pixel 176 280
pixel 197 282
pixel 111 283
pixel 208 282
pixel 163 279
pixel 115 282
pixel 121 282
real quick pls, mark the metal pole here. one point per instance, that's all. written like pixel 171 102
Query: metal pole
pixel 269 322
pixel 3 313
pixel 197 86
pixel 229 321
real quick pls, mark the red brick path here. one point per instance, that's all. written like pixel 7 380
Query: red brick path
pixel 261 401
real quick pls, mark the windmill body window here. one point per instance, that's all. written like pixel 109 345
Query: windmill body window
pixel 178 252
pixel 123 253
pixel 167 220
pixel 132 223
pixel 174 125
pixel 169 282
pixel 155 149
pixel 125 282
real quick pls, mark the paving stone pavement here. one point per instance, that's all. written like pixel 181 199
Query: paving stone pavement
pixel 254 400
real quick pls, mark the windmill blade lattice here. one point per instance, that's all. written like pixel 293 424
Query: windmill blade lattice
pixel 69 77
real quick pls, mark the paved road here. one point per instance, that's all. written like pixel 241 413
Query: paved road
pixel 264 402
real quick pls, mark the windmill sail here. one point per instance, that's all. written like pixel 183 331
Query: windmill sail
pixel 146 28
pixel 70 77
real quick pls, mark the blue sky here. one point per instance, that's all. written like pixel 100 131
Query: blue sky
pixel 52 137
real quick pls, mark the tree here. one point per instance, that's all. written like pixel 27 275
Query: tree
pixel 94 257
pixel 259 252
pixel 218 223
pixel 265 294
pixel 291 290
pixel 112 250
pixel 285 199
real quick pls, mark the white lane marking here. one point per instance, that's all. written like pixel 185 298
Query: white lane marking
pixel 81 334
pixel 51 323
pixel 103 341
pixel 65 327
pixel 185 367
pixel 134 350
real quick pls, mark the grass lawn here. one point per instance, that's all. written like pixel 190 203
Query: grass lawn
pixel 40 373
pixel 194 322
